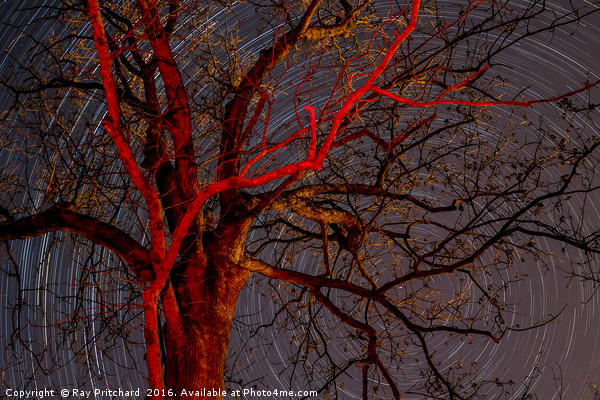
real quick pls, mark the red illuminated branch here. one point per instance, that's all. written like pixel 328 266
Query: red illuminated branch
pixel 355 97
pixel 518 103
pixel 155 211
pixel 174 88
pixel 462 83
pixel 265 151
pixel 269 150
pixel 386 145
pixel 264 99
pixel 113 127
pixel 178 112
pixel 313 132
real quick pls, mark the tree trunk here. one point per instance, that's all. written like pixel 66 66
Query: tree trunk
pixel 196 342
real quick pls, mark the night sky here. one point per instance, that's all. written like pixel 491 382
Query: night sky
pixel 561 358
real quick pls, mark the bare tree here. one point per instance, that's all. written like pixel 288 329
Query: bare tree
pixel 369 159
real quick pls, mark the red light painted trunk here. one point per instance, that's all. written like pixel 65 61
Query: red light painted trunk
pixel 196 355
pixel 196 340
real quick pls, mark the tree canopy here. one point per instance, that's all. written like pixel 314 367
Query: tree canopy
pixel 374 172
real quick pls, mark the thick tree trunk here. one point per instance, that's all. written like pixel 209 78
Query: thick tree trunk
pixel 196 343
pixel 196 357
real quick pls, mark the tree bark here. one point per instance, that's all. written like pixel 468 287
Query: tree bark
pixel 205 290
